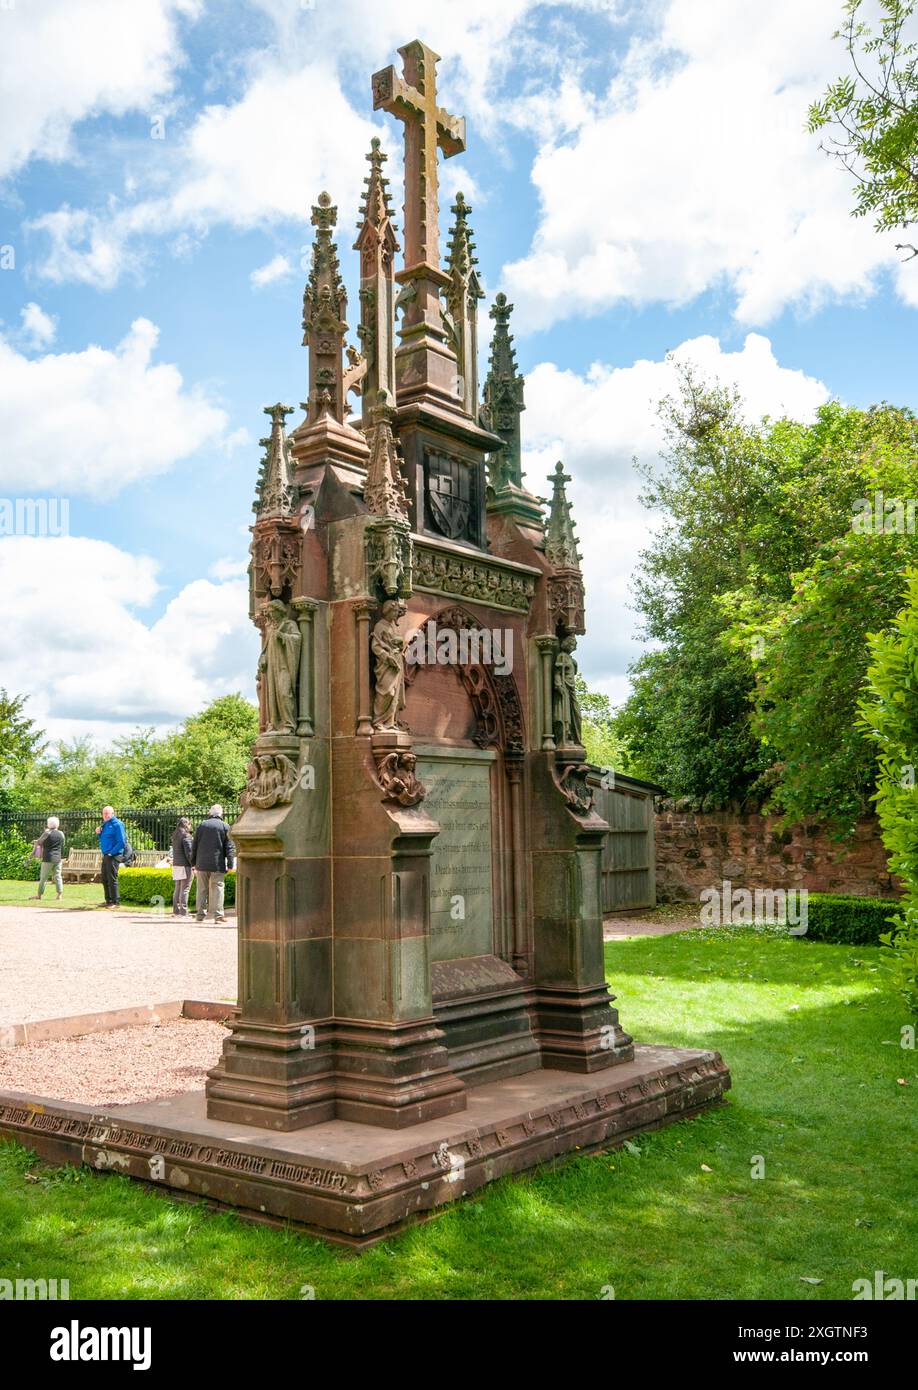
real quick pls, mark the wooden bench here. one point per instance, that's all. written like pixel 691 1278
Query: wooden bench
pixel 82 865
pixel 85 865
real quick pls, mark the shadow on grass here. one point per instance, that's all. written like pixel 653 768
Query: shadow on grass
pixel 678 1215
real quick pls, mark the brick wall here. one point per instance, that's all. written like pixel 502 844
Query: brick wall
pixel 697 850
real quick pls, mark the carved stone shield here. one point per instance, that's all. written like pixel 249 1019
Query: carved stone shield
pixel 449 492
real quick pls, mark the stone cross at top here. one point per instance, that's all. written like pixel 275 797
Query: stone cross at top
pixel 413 99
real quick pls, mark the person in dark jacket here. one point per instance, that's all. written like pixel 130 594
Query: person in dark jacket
pixel 112 842
pixel 51 841
pixel 181 867
pixel 212 854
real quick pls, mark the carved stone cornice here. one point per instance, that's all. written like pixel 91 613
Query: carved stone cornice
pixel 480 579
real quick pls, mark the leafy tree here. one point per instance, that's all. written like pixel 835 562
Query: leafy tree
pixel 759 599
pixel 889 716
pixel 20 744
pixel 604 746
pixel 204 760
pixel 76 774
pixel 687 724
pixel 813 665
pixel 872 114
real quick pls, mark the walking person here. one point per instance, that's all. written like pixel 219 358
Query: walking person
pixel 182 871
pixel 112 842
pixel 51 842
pixel 212 854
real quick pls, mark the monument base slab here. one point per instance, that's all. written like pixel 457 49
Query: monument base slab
pixel 354 1183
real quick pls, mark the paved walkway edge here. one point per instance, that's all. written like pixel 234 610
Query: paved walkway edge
pixel 78 1025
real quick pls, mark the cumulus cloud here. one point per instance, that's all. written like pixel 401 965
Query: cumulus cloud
pixel 117 416
pixel 276 269
pixel 103 669
pixel 262 158
pixel 696 172
pixel 597 424
pixel 38 328
pixel 65 60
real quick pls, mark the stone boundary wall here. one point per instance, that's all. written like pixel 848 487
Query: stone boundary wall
pixel 697 850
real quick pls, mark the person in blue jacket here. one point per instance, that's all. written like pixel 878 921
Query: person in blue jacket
pixel 112 841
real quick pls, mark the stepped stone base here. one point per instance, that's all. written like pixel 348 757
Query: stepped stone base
pixel 356 1183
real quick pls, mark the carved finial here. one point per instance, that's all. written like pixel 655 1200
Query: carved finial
pixel 462 296
pixel 503 399
pixel 275 493
pixel 377 244
pixel 324 325
pixel 560 537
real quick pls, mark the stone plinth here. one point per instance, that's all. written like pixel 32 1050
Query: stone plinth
pixel 355 1183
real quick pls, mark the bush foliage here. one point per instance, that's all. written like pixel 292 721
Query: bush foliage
pixel 143 886
pixel 15 856
pixel 850 921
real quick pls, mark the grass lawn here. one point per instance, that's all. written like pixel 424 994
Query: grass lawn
pixel 14 892
pixel 811 1037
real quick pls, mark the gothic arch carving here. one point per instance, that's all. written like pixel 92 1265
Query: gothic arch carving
pixel 494 698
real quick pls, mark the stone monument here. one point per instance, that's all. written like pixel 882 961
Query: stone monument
pixel 418 891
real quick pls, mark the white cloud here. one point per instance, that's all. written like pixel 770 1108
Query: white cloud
pixel 231 168
pixel 38 328
pixel 102 666
pixel 228 567
pixel 597 424
pixel 696 172
pixel 262 159
pixel 117 416
pixel 65 60
pixel 276 269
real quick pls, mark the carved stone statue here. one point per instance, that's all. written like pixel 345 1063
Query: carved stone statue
pixel 271 779
pixel 388 647
pixel 566 708
pixel 278 668
pixel 398 778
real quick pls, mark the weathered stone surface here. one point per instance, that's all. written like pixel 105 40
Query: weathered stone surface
pixel 697 850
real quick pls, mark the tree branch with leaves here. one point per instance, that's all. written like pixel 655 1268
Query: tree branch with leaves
pixel 870 116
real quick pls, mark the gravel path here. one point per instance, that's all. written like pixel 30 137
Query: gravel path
pixel 85 961
pixel 616 928
pixel 118 1067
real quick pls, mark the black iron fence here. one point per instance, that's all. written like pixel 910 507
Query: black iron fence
pixel 148 827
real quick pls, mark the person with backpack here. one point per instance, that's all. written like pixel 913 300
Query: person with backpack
pixel 51 844
pixel 113 843
pixel 182 872
pixel 212 854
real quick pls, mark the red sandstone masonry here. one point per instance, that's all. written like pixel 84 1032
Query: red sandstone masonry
pixel 697 850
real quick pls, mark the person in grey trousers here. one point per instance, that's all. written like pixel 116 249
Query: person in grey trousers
pixel 51 841
pixel 212 854
pixel 182 849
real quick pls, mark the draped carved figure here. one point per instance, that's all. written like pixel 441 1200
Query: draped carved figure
pixel 278 669
pixel 567 708
pixel 388 647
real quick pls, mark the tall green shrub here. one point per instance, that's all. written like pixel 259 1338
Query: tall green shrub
pixel 15 852
pixel 889 714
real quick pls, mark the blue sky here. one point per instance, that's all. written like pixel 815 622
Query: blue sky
pixel 643 188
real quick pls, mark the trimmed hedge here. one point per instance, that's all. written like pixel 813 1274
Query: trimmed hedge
pixel 140 886
pixel 851 921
